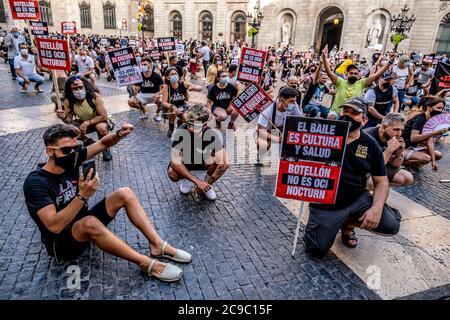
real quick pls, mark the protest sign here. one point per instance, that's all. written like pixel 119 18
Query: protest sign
pixel 38 28
pixel 251 65
pixel 312 152
pixel 251 102
pixel 166 44
pixel 126 69
pixel 439 122
pixel 25 9
pixel 133 43
pixel 68 27
pixel 428 59
pixel 179 48
pixel 53 54
pixel 155 54
pixel 441 78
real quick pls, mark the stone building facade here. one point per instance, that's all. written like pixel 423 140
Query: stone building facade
pixel 362 25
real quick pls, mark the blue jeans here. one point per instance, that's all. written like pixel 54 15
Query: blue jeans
pixel 33 78
pixel 312 110
pixel 401 97
pixel 11 67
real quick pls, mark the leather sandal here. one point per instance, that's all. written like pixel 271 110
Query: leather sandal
pixel 170 273
pixel 179 256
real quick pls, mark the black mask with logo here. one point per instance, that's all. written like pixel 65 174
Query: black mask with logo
pixel 67 162
pixel 385 85
pixel 355 125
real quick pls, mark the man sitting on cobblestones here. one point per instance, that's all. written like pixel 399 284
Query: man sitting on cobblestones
pixel 196 147
pixel 354 206
pixel 56 196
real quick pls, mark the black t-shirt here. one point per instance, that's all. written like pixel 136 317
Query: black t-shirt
pixel 362 157
pixel 374 133
pixel 151 84
pixel 211 142
pixel 177 96
pixel 416 123
pixel 222 97
pixel 42 188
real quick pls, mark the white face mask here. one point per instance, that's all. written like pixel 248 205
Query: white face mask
pixel 80 94
pixel 24 52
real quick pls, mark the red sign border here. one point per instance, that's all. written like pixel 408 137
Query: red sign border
pixel 65 47
pixel 75 31
pixel 14 14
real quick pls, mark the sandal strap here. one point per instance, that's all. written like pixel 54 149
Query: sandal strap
pixel 163 248
pixel 150 267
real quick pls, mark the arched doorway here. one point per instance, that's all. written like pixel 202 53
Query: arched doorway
pixel 443 37
pixel 329 31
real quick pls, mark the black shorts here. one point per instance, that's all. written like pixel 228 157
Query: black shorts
pixel 65 247
pixel 193 167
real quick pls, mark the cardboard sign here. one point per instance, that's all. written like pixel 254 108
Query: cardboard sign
pixel 166 44
pixel 441 78
pixel 38 28
pixel 312 152
pixel 25 9
pixel 126 69
pixel 251 102
pixel 53 54
pixel 251 65
pixel 68 27
pixel 441 121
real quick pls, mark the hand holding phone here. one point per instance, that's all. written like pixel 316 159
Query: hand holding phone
pixel 86 167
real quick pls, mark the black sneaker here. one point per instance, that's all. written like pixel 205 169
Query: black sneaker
pixel 169 133
pixel 107 156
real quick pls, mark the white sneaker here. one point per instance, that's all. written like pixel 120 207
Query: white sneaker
pixel 157 118
pixel 211 194
pixel 185 186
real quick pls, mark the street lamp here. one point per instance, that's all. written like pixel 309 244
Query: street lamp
pixel 401 24
pixel 254 21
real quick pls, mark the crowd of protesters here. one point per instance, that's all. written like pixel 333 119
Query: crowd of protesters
pixel 385 98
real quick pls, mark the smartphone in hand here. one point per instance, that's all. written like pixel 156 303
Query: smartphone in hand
pixel 87 166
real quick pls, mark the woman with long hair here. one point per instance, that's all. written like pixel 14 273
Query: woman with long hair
pixel 175 95
pixel 84 107
pixel 420 146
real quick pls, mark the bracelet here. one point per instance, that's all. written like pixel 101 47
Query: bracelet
pixel 79 196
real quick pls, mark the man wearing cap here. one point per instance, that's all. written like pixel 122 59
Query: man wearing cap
pixel 381 99
pixel 353 86
pixel 197 147
pixel 354 206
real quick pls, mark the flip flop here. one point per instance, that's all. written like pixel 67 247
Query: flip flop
pixel 170 273
pixel 180 255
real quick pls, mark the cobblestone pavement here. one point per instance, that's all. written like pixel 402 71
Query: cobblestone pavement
pixel 426 189
pixel 240 243
pixel 9 98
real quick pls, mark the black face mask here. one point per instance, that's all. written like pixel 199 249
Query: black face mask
pixel 387 137
pixel 385 85
pixel 435 113
pixel 67 162
pixel 352 80
pixel 355 125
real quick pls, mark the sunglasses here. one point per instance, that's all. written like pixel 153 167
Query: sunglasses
pixel 68 149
